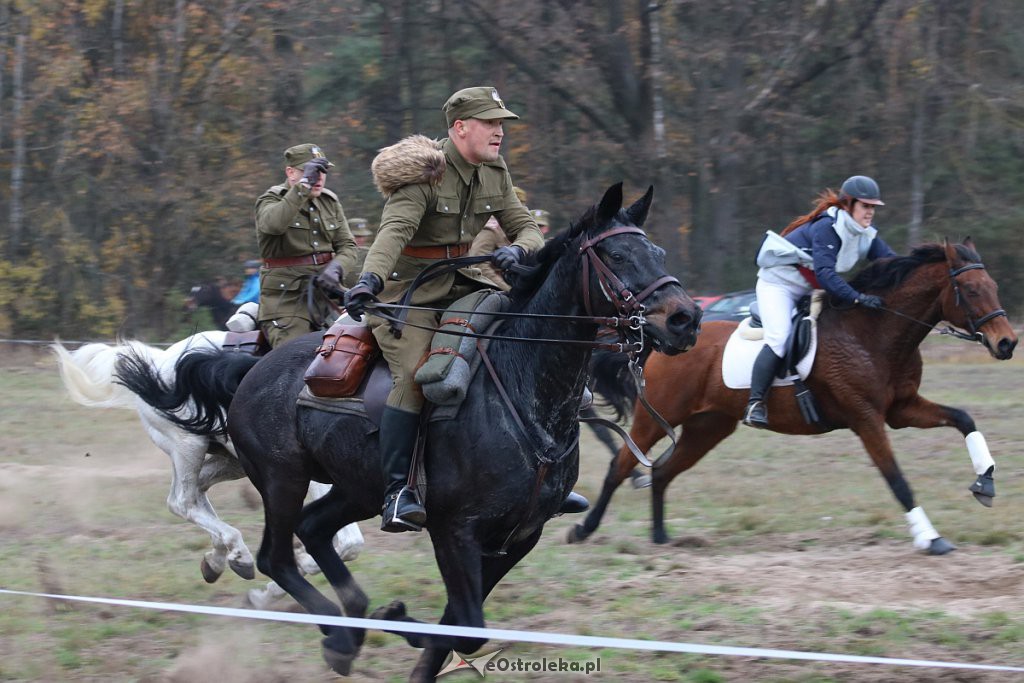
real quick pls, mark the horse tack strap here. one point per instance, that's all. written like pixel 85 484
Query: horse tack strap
pixel 972 322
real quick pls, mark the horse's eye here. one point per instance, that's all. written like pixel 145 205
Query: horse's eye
pixel 618 257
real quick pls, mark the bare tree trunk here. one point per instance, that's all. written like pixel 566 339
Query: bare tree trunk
pixel 917 170
pixel 5 33
pixel 17 214
pixel 116 30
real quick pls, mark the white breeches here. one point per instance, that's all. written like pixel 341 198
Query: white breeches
pixel 776 304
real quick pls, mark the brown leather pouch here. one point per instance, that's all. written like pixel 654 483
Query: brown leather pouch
pixel 341 361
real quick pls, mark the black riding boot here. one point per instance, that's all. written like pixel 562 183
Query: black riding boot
pixel 765 367
pixel 402 509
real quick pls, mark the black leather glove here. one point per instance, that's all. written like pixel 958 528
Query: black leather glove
pixel 332 275
pixel 870 301
pixel 365 292
pixel 506 257
pixel 312 170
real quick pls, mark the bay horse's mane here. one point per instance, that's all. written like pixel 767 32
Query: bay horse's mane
pixel 885 274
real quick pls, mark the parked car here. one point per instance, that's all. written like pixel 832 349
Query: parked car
pixel 733 306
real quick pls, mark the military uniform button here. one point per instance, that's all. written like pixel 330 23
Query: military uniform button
pixel 315 243
pixel 488 206
pixel 446 207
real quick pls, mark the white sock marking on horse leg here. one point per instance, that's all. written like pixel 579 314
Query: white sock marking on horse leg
pixel 921 529
pixel 978 449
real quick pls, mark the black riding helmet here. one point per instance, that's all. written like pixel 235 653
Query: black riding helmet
pixel 863 189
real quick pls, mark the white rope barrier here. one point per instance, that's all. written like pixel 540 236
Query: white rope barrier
pixel 519 636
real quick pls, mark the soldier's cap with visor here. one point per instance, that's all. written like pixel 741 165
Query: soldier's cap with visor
pixel 299 155
pixel 360 227
pixel 481 102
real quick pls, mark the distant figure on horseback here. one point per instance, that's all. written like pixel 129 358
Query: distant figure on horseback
pixel 811 254
pixel 438 197
pixel 302 233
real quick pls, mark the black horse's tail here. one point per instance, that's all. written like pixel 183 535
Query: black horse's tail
pixel 197 400
pixel 613 382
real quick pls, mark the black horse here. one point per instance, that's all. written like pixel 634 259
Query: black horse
pixel 494 479
pixel 211 295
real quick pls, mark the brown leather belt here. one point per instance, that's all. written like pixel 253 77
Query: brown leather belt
pixel 442 251
pixel 307 260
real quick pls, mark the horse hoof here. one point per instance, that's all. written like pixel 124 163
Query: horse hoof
pixel 393 610
pixel 576 534
pixel 210 575
pixel 243 569
pixel 983 499
pixel 659 537
pixel 339 662
pixel 984 489
pixel 940 546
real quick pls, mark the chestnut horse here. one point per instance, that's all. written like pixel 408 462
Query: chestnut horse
pixel 866 374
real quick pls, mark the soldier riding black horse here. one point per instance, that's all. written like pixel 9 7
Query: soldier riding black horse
pixel 495 475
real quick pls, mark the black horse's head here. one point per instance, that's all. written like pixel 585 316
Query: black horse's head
pixel 624 274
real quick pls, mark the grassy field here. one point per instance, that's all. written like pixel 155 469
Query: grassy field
pixel 779 542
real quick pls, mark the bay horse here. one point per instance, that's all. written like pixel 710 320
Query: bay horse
pixel 495 474
pixel 197 462
pixel 866 374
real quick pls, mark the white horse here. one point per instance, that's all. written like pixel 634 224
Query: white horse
pixel 197 462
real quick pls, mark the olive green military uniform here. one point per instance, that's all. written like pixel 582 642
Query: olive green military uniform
pixel 292 224
pixel 359 229
pixel 491 237
pixel 452 212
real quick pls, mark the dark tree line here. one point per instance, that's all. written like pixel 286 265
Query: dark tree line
pixel 136 135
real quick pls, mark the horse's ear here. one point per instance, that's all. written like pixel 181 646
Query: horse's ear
pixel 950 250
pixel 638 212
pixel 969 243
pixel 610 204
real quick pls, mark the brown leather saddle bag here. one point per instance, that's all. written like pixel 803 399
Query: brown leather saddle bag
pixel 341 361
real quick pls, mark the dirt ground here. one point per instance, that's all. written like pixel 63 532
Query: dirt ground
pixel 777 544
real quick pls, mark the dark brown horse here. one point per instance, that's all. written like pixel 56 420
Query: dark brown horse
pixel 866 374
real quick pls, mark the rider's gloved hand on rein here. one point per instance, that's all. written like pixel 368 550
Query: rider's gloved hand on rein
pixel 365 291
pixel 312 170
pixel 332 275
pixel 870 301
pixel 506 257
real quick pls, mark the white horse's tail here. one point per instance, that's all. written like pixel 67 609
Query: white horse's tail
pixel 88 372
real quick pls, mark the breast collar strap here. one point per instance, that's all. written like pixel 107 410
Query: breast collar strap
pixel 625 301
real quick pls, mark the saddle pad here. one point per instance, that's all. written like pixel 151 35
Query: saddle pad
pixel 740 352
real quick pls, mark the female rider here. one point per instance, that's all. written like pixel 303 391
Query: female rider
pixel 811 253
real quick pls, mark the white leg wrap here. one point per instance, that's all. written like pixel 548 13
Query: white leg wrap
pixel 978 449
pixel 921 529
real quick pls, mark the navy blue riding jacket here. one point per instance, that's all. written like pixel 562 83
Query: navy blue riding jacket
pixel 820 239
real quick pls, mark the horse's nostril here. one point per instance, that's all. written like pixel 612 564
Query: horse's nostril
pixel 679 321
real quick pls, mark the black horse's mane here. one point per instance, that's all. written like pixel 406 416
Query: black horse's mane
pixel 540 263
pixel 884 274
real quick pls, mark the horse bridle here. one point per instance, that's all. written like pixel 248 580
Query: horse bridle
pixel 628 304
pixel 973 323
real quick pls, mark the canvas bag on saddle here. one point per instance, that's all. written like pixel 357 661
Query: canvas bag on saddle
pixel 453 359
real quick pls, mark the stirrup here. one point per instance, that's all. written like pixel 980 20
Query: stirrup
pixel 756 415
pixel 402 513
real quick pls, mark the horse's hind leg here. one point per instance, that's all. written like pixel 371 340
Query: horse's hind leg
pixel 186 499
pixel 700 434
pixel 319 521
pixel 876 442
pixel 921 413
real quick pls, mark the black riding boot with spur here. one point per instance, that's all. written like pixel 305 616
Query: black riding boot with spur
pixel 402 508
pixel 765 367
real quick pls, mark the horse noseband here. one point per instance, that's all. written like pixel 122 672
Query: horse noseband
pixel 626 303
pixel 973 324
